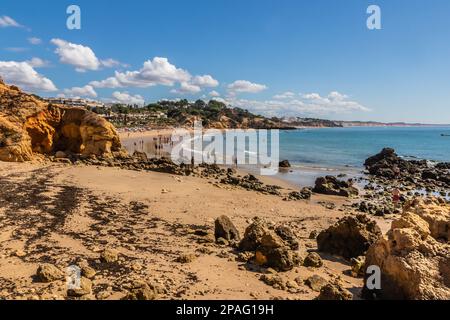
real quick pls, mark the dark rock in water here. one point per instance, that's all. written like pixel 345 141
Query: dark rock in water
pixel 224 228
pixel 330 185
pixel 386 153
pixel 350 237
pixel 273 248
pixel 334 291
pixel 285 164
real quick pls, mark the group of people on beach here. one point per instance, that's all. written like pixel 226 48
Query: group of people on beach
pixel 159 143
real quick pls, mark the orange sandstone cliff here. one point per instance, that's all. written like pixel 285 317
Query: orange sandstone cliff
pixel 29 125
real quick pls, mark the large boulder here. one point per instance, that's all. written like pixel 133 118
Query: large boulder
pixel 414 256
pixel 350 237
pixel 330 185
pixel 29 125
pixel 273 247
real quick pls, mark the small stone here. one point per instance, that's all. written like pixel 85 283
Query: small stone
pixel 316 283
pixel 313 260
pixel 224 228
pixel 85 288
pixel 222 242
pixel 109 256
pixel 334 291
pixel 48 273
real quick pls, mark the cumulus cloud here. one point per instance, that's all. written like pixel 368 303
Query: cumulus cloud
pixel 187 88
pixel 244 86
pixel 86 91
pixel 24 75
pixel 126 98
pixel 158 71
pixel 38 63
pixel 34 41
pixel 111 63
pixel 214 94
pixel 312 104
pixel 82 57
pixel 205 81
pixel 284 95
pixel 6 22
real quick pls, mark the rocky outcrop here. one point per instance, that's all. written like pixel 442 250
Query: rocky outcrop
pixel 273 247
pixel 224 228
pixel 30 126
pixel 414 257
pixel 330 185
pixel 350 237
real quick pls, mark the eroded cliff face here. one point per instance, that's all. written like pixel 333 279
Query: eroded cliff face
pixel 29 125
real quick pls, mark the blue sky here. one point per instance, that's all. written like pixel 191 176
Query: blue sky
pixel 293 57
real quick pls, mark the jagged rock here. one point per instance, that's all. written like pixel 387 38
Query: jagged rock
pixel 85 288
pixel 141 291
pixel 414 256
pixel 316 283
pixel 350 237
pixel 330 185
pixel 271 250
pixel 313 260
pixel 49 273
pixel 109 256
pixel 335 292
pixel 304 194
pixel 224 228
pixel 285 164
pixel 28 125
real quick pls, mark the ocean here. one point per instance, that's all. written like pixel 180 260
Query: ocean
pixel 322 151
pixel 316 152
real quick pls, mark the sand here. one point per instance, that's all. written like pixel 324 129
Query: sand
pixel 63 213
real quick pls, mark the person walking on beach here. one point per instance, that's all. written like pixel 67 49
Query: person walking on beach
pixel 396 197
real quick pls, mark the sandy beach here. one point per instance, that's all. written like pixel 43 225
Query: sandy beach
pixel 63 214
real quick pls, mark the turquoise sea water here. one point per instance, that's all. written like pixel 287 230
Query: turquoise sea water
pixel 340 147
pixel 317 152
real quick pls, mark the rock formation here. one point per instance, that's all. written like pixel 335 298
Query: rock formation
pixel 273 247
pixel 28 125
pixel 350 237
pixel 330 185
pixel 414 257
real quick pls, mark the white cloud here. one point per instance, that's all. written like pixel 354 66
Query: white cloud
pixel 16 49
pixel 126 98
pixel 284 95
pixel 205 81
pixel 86 91
pixel 82 57
pixel 34 41
pixel 6 21
pixel 214 93
pixel 23 74
pixel 110 63
pixel 307 105
pixel 187 88
pixel 245 86
pixel 158 71
pixel 38 63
